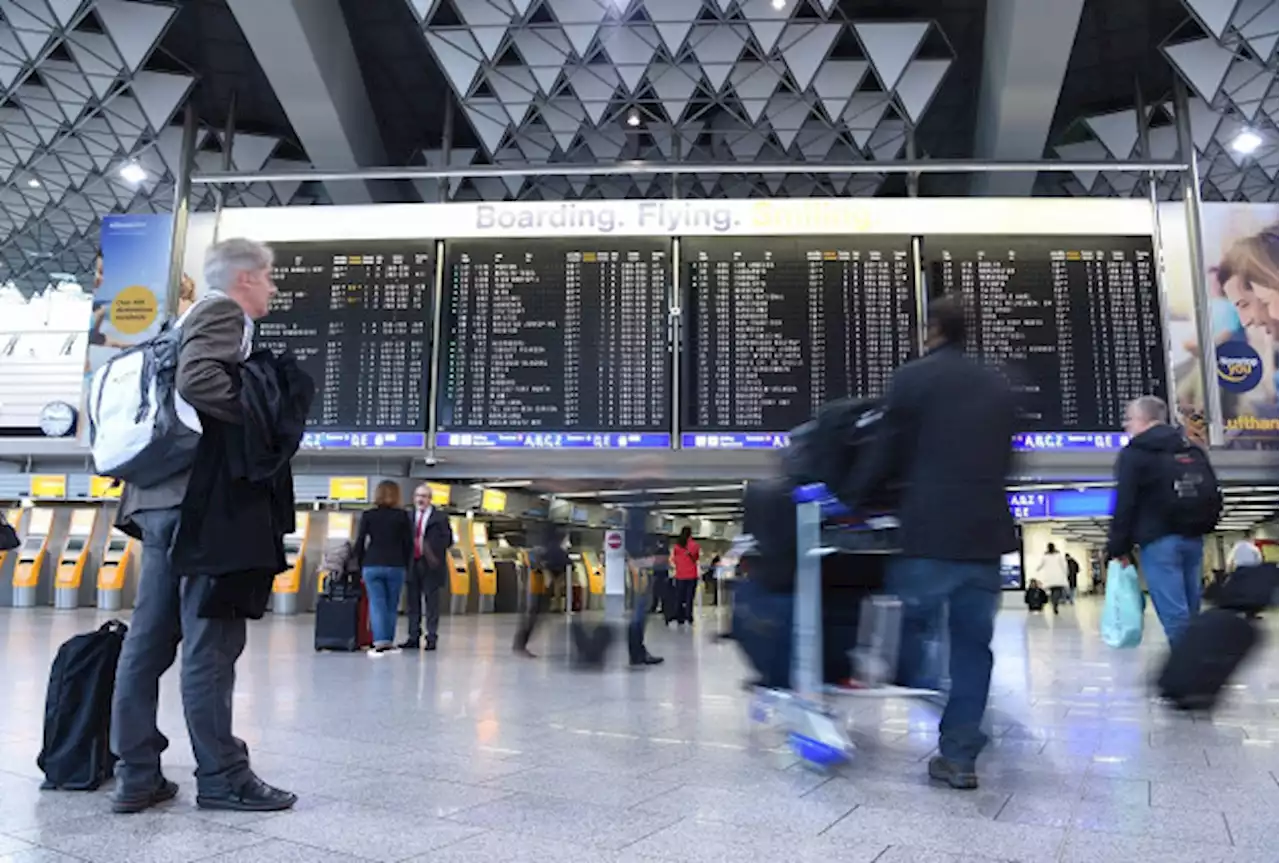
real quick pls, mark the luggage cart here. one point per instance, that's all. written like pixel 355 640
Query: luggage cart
pixel 815 732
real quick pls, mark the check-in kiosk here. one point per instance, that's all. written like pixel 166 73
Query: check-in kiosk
pixel 9 559
pixel 341 528
pixel 33 558
pixel 288 584
pixel 482 563
pixel 75 558
pixel 459 571
pixel 115 573
pixel 594 569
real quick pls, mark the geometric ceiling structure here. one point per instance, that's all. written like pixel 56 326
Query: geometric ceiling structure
pixel 1229 66
pixel 716 81
pixel 78 102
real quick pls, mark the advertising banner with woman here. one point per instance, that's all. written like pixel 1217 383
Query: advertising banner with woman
pixel 1242 261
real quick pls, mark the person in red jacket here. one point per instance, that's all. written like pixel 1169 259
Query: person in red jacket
pixel 684 560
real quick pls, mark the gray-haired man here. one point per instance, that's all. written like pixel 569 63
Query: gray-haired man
pixel 216 337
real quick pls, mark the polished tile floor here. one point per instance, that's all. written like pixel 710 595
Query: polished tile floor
pixel 471 754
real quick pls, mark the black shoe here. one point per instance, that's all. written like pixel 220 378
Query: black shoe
pixel 411 644
pixel 254 796
pixel 430 645
pixel 948 771
pixel 129 804
pixel 647 659
pixel 524 651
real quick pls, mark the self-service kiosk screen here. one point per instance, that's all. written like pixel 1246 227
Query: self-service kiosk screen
pixel 75 545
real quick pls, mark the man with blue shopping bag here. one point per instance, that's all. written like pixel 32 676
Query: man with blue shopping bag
pixel 1167 499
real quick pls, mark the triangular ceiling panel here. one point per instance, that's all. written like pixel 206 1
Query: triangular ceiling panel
pixel 133 27
pixel 1118 131
pixel 250 152
pixel 835 83
pixel 581 36
pixel 159 94
pixel 766 21
pixel 863 114
pixel 717 47
pixel 890 46
pixel 515 88
pixel 918 85
pixel 673 85
pixel 754 83
pixel 459 56
pixel 488 120
pixel 673 19
pixel 32 30
pixel 67 85
pixel 1246 85
pixel 1213 14
pixel 630 48
pixel 482 13
pixel 544 50
pixel 563 116
pixel 804 46
pixel 787 114
pixel 1203 62
pixel 1083 151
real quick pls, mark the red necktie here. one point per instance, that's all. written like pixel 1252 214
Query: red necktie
pixel 417 535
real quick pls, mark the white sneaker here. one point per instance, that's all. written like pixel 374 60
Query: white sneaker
pixel 393 650
pixel 374 652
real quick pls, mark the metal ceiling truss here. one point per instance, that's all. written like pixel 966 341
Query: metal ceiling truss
pixel 77 103
pixel 579 81
pixel 1231 72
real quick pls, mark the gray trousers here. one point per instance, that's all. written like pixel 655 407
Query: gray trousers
pixel 422 589
pixel 164 616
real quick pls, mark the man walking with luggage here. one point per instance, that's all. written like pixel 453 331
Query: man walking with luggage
pixel 1158 459
pixel 431 539
pixel 216 338
pixel 946 438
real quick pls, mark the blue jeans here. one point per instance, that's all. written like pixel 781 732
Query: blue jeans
pixel 1172 567
pixel 970 593
pixel 383 584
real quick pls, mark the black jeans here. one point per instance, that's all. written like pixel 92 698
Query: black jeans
pixel 422 590
pixel 538 604
pixel 1055 597
pixel 685 590
pixel 639 613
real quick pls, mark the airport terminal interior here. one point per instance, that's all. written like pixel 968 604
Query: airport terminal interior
pixel 580 271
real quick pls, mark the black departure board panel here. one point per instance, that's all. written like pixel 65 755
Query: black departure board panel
pixel 775 327
pixel 358 316
pixel 560 344
pixel 1074 320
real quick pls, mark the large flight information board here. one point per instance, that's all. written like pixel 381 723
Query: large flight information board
pixel 358 316
pixel 1075 321
pixel 556 344
pixel 776 327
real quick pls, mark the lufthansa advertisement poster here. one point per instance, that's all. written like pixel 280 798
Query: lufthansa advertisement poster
pixel 1241 279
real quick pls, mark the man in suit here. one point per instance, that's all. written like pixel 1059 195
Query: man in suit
pixel 946 437
pixel 432 537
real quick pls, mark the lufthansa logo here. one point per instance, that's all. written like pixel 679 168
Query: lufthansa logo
pixel 1239 367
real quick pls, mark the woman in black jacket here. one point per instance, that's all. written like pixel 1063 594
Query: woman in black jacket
pixel 384 550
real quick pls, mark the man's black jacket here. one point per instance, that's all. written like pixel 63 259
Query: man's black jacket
pixel 947 437
pixel 239 502
pixel 1139 516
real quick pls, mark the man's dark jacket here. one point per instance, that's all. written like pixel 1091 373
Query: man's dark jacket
pixel 1139 516
pixel 947 437
pixel 239 503
pixel 437 537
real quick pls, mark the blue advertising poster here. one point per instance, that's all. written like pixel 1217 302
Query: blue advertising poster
pixel 130 287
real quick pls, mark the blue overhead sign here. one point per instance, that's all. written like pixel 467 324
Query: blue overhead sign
pixel 735 440
pixel 1062 503
pixel 553 440
pixel 364 440
pixel 1036 441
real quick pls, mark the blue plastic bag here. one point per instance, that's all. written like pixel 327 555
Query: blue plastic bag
pixel 1123 607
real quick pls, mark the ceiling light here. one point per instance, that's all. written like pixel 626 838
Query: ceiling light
pixel 779 4
pixel 33 183
pixel 1246 142
pixel 132 172
pixel 633 118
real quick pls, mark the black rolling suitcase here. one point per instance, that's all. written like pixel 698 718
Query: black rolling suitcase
pixel 338 622
pixel 1203 660
pixel 76 752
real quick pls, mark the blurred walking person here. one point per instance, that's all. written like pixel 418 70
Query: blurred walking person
pixel 947 431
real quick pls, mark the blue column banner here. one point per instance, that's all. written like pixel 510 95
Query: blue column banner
pixel 130 283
